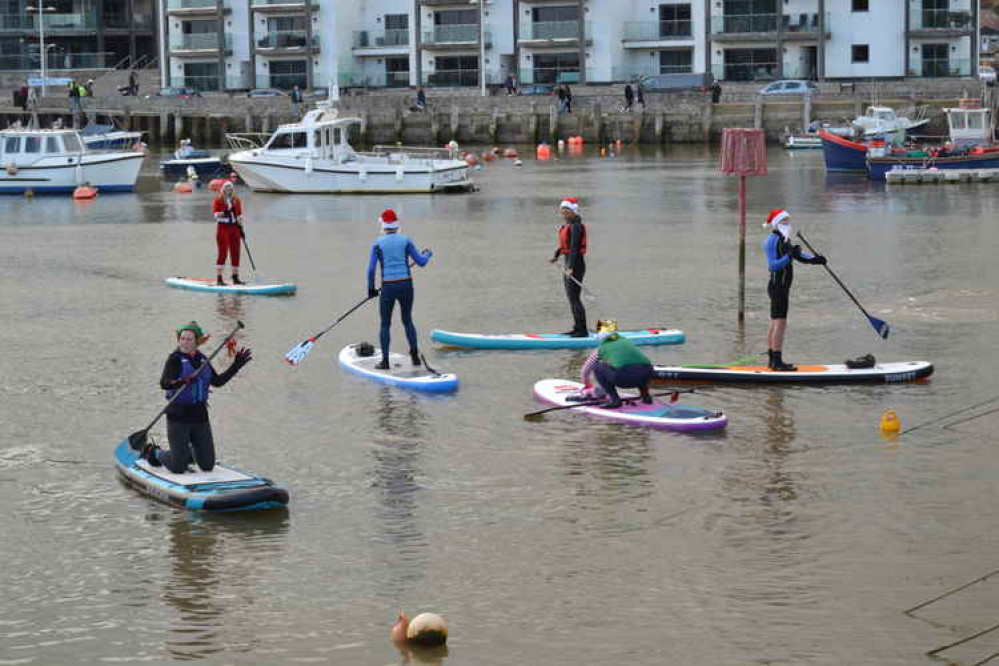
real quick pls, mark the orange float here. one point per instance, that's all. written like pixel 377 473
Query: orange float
pixel 183 188
pixel 85 192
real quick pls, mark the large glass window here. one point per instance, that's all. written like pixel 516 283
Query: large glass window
pixel 556 67
pixel 286 74
pixel 750 64
pixel 936 60
pixel 674 20
pixel 455 71
pixel 676 61
pixel 457 17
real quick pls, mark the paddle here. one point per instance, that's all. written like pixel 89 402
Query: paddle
pixel 298 353
pixel 242 234
pixel 880 326
pixel 427 366
pixel 589 295
pixel 137 440
pixel 673 395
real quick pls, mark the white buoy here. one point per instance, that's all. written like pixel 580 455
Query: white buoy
pixel 427 630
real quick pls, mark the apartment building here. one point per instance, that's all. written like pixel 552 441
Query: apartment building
pixel 219 44
pixel 79 34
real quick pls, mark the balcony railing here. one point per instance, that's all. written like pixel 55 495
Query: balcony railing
pixel 286 39
pixel 202 41
pixel 743 23
pixel 370 38
pixel 209 82
pixel 120 21
pixel 942 67
pixel 191 4
pixel 551 30
pixel 939 19
pixel 804 23
pixel 70 22
pixel 549 75
pixel 17 23
pixel 452 77
pixel 654 31
pixel 283 81
pixel 56 61
pixel 451 34
pixel 268 3
pixel 758 71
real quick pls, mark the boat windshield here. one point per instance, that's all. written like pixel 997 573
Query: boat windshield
pixel 72 143
pixel 285 140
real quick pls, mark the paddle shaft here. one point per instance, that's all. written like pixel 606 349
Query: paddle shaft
pixel 603 400
pixel 246 245
pixel 239 325
pixel 835 277
pixel 582 286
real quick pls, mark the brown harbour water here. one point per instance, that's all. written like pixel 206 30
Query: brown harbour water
pixel 797 536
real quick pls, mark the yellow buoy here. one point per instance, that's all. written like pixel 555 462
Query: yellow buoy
pixel 890 425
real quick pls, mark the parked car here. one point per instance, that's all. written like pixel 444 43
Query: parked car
pixel 676 82
pixel 790 87
pixel 987 74
pixel 537 89
pixel 183 92
pixel 265 92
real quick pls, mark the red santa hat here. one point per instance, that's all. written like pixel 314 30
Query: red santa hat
pixel 776 216
pixel 389 219
pixel 569 203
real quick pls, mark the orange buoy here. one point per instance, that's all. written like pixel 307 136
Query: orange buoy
pixel 511 153
pixel 544 152
pixel 488 156
pixel 471 160
pixel 183 188
pixel 84 192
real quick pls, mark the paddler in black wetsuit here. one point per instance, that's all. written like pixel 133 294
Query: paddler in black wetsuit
pixel 781 254
pixel 572 245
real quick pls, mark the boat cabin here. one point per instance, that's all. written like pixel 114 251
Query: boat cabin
pixel 320 135
pixel 881 113
pixel 19 146
pixel 969 126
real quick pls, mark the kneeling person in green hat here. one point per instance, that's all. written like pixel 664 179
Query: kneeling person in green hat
pixel 617 362
pixel 188 428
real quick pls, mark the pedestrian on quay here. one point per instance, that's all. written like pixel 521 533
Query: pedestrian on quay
pixel 421 99
pixel 716 91
pixel 296 101
pixel 568 97
pixel 22 96
pixel 513 84
pixel 133 84
pixel 640 94
pixel 393 250
pixel 508 84
pixel 228 211
pixel 188 429
pixel 572 245
pixel 781 255
pixel 74 98
pixel 629 97
pixel 89 87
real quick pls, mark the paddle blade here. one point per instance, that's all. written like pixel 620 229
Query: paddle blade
pixel 298 353
pixel 881 327
pixel 137 440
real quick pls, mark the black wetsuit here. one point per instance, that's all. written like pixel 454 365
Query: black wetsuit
pixel 576 265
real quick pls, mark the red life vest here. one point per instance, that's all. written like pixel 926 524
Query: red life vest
pixel 565 239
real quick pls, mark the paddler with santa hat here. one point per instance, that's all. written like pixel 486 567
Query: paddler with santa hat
pixel 781 254
pixel 572 245
pixel 393 251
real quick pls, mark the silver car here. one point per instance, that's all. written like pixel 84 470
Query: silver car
pixel 790 87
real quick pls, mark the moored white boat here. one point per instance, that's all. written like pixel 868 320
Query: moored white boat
pixel 109 137
pixel 57 160
pixel 882 121
pixel 313 156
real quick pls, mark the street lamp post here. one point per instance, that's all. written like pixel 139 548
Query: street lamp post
pixel 41 36
pixel 482 45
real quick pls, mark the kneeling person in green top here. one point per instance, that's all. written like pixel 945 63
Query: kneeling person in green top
pixel 617 362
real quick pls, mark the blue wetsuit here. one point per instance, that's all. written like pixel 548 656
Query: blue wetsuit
pixel 780 255
pixel 393 251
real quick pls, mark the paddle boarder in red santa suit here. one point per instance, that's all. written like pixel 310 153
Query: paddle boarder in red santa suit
pixel 188 428
pixel 781 255
pixel 228 210
pixel 572 239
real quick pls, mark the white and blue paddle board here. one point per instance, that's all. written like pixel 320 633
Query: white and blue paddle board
pixel 401 371
pixel 205 284
pixel 648 336
pixel 222 489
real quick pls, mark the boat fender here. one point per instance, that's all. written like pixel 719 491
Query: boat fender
pixel 399 174
pixel 365 349
pixel 362 174
pixel 308 165
pixel 84 192
pixel 11 169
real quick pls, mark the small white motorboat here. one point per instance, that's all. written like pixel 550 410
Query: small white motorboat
pixel 882 121
pixel 313 156
pixel 57 160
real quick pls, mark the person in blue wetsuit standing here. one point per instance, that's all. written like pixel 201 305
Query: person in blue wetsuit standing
pixel 781 254
pixel 393 251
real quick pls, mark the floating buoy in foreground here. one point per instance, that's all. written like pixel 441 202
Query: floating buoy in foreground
pixel 183 188
pixel 487 156
pixel 518 163
pixel 427 630
pixel 398 633
pixel 510 152
pixel 471 160
pixel 890 424
pixel 544 152
pixel 561 144
pixel 84 192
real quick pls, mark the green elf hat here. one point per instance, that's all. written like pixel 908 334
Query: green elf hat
pixel 198 333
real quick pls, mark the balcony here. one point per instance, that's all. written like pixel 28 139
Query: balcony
pixel 55 61
pixel 650 32
pixel 452 77
pixel 375 80
pixel 549 75
pixel 637 72
pixel 803 26
pixel 452 34
pixel 939 22
pixel 77 22
pixel 744 27
pixel 120 21
pixel 757 71
pixel 283 81
pixel 544 33
pixel 199 43
pixel 209 83
pixel 197 7
pixel 446 3
pixel 276 6
pixel 941 68
pixel 287 40
pixel 382 39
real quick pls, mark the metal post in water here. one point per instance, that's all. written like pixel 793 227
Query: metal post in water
pixel 742 249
